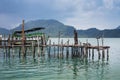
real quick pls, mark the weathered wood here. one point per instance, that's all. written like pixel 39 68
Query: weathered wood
pixel 38 43
pixel 19 52
pixel 103 54
pixel 54 49
pixel 92 53
pixel 49 50
pixel 77 50
pixel 62 48
pixel 23 40
pixel 34 52
pixel 107 54
pixel 67 49
pixel 89 52
pixel 13 51
pixel 98 48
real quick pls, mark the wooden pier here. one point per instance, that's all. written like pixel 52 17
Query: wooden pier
pixel 38 45
pixel 84 50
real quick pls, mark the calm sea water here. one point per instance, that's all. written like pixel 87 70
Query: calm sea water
pixel 52 68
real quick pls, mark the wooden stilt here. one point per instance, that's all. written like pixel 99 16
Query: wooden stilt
pixel 54 48
pixel 34 52
pixel 83 52
pixel 86 52
pixel 99 55
pixel 49 50
pixel 19 52
pixel 8 44
pixel 62 48
pixel 8 51
pixel 67 49
pixel 107 53
pixel 98 48
pixel 13 51
pixel 92 53
pixel 89 52
pixel 103 54
pixel 38 43
pixel 23 40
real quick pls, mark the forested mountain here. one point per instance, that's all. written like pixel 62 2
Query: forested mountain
pixel 53 27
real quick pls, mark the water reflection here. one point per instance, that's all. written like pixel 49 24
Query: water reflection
pixel 89 69
pixel 72 68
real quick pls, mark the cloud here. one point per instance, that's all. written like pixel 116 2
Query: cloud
pixel 108 4
pixel 9 21
pixel 82 14
pixel 94 13
pixel 111 4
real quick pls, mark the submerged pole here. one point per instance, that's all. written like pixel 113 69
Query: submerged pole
pixel 92 53
pixel 49 50
pixel 38 46
pixel 54 48
pixel 107 53
pixel 67 52
pixel 98 48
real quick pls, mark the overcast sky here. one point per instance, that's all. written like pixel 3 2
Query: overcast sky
pixel 82 14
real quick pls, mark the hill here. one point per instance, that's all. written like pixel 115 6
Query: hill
pixel 118 27
pixel 4 31
pixel 93 32
pixel 53 27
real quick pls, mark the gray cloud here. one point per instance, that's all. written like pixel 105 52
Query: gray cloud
pixel 79 13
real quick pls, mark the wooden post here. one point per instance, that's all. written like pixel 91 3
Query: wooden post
pixel 73 54
pixel 83 51
pixel 8 44
pixel 67 50
pixel 75 37
pixel 103 54
pixel 89 52
pixel 13 51
pixel 103 51
pixel 107 53
pixel 33 50
pixel 49 48
pixel 102 39
pixel 98 48
pixel 23 40
pixel 54 48
pixel 92 53
pixel 86 50
pixel 80 53
pixel 38 43
pixel 4 45
pixel 58 51
pixel 71 51
pixel 19 52
pixel 58 43
pixel 42 45
pixel 62 48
